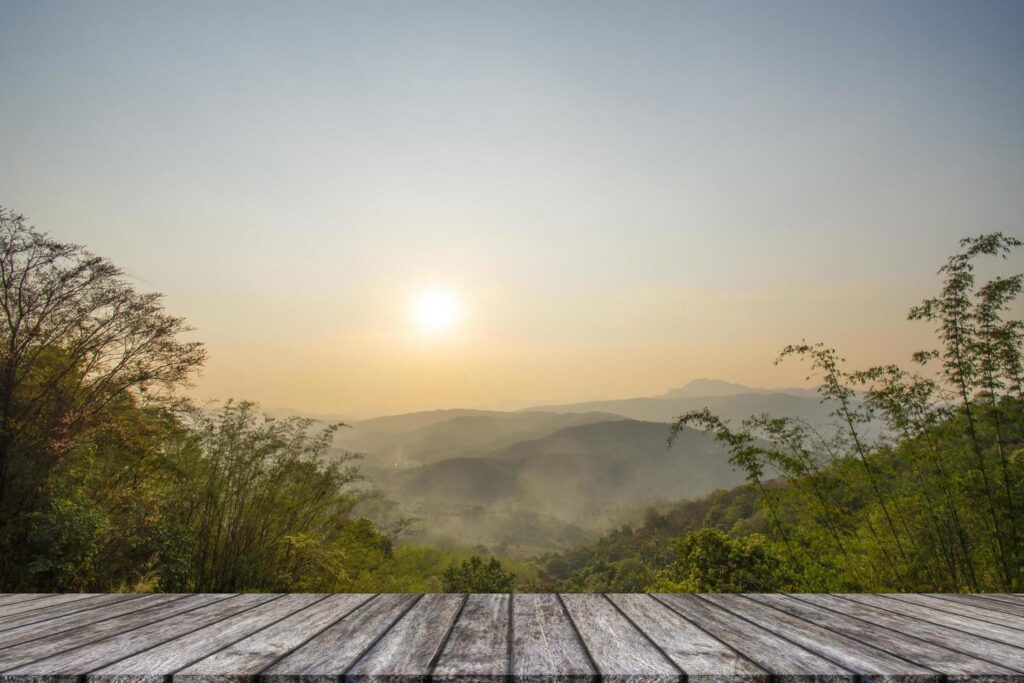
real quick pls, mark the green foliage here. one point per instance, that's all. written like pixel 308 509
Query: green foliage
pixel 265 508
pixel 109 481
pixel 476 576
pixel 933 502
pixel 66 536
pixel 711 561
pixel 80 350
pixel 628 559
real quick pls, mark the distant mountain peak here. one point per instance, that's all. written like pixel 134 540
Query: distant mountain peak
pixel 709 387
pixel 718 388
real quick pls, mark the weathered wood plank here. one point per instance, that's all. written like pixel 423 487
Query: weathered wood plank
pixel 410 648
pixel 32 606
pixel 620 651
pixel 963 622
pixel 240 662
pixel 61 624
pixel 156 663
pixel 68 667
pixel 866 660
pixel 545 646
pixel 62 610
pixel 1011 598
pixel 12 598
pixel 954 601
pixel 954 664
pixel 328 655
pixel 39 648
pixel 493 638
pixel 479 648
pixel 769 651
pixel 700 655
pixel 893 618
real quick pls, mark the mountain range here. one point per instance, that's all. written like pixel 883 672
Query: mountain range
pixel 552 476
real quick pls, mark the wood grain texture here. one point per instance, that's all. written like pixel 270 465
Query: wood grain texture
pixel 240 662
pixel 525 638
pixel 327 656
pixel 56 643
pixel 620 651
pixel 767 650
pixel 868 661
pixel 955 665
pixel 63 623
pixel 13 598
pixel 70 666
pixel 153 665
pixel 545 646
pixel 908 605
pixel 408 650
pixel 478 649
pixel 950 638
pixel 983 603
pixel 8 612
pixel 701 656
pixel 1011 598
pixel 61 610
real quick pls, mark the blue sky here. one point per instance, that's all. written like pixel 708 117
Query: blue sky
pixel 620 196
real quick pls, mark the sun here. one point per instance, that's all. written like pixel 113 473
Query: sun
pixel 435 310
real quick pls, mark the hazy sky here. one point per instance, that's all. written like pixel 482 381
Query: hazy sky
pixel 620 197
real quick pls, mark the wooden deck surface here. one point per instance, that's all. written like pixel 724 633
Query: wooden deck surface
pixel 564 638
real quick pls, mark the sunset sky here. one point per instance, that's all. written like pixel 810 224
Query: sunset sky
pixel 376 207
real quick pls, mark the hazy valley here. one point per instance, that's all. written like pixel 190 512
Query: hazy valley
pixel 552 477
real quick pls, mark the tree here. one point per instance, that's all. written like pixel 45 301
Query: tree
pixel 475 576
pixel 711 561
pixel 112 515
pixel 267 510
pixel 932 502
pixel 76 338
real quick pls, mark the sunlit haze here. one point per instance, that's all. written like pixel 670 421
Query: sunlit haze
pixel 377 207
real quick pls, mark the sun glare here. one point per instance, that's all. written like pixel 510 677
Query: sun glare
pixel 435 310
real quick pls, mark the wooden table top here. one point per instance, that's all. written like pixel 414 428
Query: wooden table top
pixel 634 638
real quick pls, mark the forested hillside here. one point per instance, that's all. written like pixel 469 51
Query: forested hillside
pixel 111 480
pixel 527 482
pixel 629 558
pixel 554 491
pixel 402 441
pixel 935 505
pixel 893 478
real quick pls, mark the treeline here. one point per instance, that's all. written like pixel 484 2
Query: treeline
pixel 629 558
pixel 110 480
pixel 933 503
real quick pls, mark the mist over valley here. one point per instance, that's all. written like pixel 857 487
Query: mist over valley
pixel 554 476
